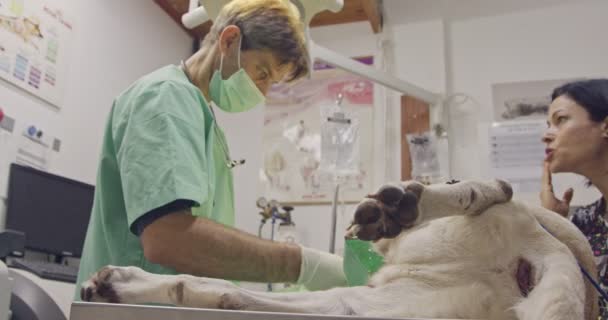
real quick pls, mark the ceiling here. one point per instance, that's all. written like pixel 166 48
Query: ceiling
pixel 406 11
pixel 353 11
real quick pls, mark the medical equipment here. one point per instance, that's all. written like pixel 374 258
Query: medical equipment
pixel 271 210
pixel 334 219
pixel 339 140
pixel 423 152
pixel 339 152
pixel 108 311
pixel 229 162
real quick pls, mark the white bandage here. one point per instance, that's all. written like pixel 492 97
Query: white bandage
pixel 321 270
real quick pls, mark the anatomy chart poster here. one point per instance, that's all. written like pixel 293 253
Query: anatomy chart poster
pixel 292 170
pixel 35 38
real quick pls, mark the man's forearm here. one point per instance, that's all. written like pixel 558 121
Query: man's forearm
pixel 202 247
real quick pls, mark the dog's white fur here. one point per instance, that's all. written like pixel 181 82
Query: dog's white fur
pixel 459 260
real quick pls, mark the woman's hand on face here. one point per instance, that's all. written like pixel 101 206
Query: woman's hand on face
pixel 547 197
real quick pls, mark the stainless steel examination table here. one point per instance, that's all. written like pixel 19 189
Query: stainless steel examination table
pixel 105 311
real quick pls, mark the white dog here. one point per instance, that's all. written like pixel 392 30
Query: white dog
pixel 463 250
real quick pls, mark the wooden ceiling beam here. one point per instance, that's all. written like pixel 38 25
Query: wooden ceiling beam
pixel 373 11
pixel 174 14
pixel 175 9
pixel 352 11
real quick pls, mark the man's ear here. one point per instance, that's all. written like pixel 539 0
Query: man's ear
pixel 229 38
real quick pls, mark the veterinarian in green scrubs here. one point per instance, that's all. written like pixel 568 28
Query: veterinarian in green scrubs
pixel 164 198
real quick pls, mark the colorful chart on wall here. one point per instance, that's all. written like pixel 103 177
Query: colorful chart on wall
pixel 291 171
pixel 35 39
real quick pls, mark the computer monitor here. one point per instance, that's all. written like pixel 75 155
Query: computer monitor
pixel 51 210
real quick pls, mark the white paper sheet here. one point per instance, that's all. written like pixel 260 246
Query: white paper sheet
pixel 517 153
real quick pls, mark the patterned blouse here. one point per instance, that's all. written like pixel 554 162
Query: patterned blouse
pixel 590 220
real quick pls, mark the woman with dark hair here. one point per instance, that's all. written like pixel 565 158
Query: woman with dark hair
pixel 577 142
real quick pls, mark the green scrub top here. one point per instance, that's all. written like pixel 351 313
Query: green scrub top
pixel 160 145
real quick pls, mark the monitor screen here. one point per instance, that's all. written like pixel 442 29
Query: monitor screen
pixel 51 210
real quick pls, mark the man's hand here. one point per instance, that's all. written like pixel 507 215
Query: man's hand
pixel 547 196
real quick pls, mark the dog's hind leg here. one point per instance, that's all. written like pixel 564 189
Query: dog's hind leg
pixel 462 198
pixel 396 207
pixel 133 285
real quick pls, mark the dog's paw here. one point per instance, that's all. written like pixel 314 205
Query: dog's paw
pixel 134 285
pixel 99 288
pixel 385 213
pixel 233 300
pixel 110 284
pixel 483 195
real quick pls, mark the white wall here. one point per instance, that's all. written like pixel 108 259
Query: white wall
pixel 114 43
pixel 408 11
pixel 556 42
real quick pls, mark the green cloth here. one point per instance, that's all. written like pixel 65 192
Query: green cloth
pixel 160 145
pixel 360 262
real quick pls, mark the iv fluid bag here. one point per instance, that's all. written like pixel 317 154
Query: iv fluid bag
pixel 339 142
